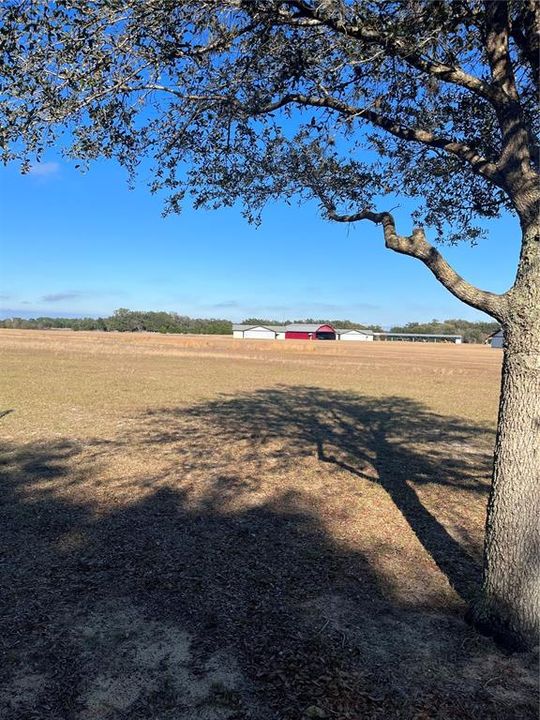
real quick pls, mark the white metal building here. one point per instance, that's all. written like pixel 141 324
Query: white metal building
pixel 258 332
pixel 354 335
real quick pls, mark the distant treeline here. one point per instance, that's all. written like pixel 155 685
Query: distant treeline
pixel 472 332
pixel 124 320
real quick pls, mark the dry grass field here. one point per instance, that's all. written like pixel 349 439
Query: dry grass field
pixel 217 529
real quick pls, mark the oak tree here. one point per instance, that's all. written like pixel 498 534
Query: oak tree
pixel 344 102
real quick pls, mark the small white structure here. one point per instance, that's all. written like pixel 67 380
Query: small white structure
pixel 497 339
pixel 354 335
pixel 254 332
pixel 259 332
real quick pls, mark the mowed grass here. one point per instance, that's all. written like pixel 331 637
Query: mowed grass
pixel 200 527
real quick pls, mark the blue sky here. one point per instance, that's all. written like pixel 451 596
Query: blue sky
pixel 85 244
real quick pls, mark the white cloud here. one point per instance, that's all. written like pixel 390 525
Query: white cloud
pixel 44 169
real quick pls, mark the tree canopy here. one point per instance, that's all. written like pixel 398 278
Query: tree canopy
pixel 252 100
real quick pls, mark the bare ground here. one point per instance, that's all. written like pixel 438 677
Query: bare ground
pixel 208 528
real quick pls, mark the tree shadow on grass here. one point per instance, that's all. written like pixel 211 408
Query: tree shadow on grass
pixel 392 441
pixel 201 598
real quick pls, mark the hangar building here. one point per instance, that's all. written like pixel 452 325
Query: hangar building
pixel 299 331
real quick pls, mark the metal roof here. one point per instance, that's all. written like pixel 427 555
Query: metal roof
pixel 274 328
pixel 343 331
pixel 250 327
pixel 425 335
pixel 311 327
pixel 301 327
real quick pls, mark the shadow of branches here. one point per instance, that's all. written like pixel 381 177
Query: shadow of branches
pixel 392 441
pixel 210 585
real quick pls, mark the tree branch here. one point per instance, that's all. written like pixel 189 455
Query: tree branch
pixel 480 165
pixel 398 48
pixel 525 30
pixel 517 137
pixel 498 30
pixel 465 152
pixel 416 245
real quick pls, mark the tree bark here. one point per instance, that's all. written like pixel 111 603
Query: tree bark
pixel 509 607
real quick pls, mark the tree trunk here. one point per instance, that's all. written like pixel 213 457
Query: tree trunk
pixel 510 604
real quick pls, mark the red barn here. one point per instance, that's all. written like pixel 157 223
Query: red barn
pixel 310 332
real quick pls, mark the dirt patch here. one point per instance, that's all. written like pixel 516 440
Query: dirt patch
pixel 129 666
pixel 145 666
